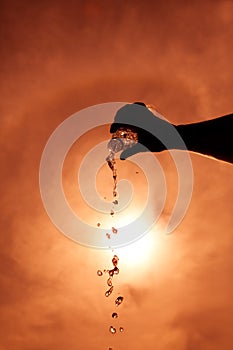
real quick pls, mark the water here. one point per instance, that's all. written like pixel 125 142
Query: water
pixel 116 146
pixel 109 281
pixel 114 230
pixel 122 139
pixel 119 300
pixel 116 270
pixel 112 329
pixel 109 292
pixel 115 260
pixel 111 272
pixel 112 165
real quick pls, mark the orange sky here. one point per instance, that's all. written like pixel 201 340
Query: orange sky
pixel 57 58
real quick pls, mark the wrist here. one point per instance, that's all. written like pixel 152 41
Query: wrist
pixel 185 135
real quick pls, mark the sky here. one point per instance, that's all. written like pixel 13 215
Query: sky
pixel 58 57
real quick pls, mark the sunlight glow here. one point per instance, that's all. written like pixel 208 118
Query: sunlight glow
pixel 139 253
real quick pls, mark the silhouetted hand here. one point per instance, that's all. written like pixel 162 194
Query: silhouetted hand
pixel 210 137
pixel 140 119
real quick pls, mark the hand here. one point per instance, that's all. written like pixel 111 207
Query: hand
pixel 140 119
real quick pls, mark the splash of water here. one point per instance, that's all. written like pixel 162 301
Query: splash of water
pixel 114 230
pixel 109 291
pixel 112 329
pixel 119 300
pixel 115 260
pixel 112 165
pixel 109 281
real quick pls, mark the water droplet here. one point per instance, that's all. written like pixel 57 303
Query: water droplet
pixel 111 160
pixel 119 300
pixel 108 235
pixel 121 329
pixel 109 292
pixel 99 273
pixel 115 260
pixel 112 164
pixel 116 270
pixel 114 315
pixel 115 202
pixel 112 329
pixel 114 230
pixel 112 212
pixel 109 281
pixel 98 224
pixel 111 272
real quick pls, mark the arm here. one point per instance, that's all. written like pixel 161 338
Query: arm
pixel 212 137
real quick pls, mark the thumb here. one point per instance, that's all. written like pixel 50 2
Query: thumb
pixel 131 151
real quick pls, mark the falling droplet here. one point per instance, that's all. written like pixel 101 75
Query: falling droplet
pixel 114 230
pixel 116 270
pixel 112 212
pixel 112 329
pixel 109 291
pixel 99 273
pixel 109 281
pixel 112 164
pixel 111 272
pixel 115 202
pixel 108 235
pixel 119 300
pixel 114 315
pixel 115 260
pixel 121 329
pixel 98 224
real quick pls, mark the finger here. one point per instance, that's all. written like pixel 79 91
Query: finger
pixel 131 151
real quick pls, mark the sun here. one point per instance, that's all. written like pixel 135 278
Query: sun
pixel 138 254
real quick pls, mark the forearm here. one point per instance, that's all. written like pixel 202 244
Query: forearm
pixel 212 137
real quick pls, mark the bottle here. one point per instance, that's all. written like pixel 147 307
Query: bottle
pixel 122 139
